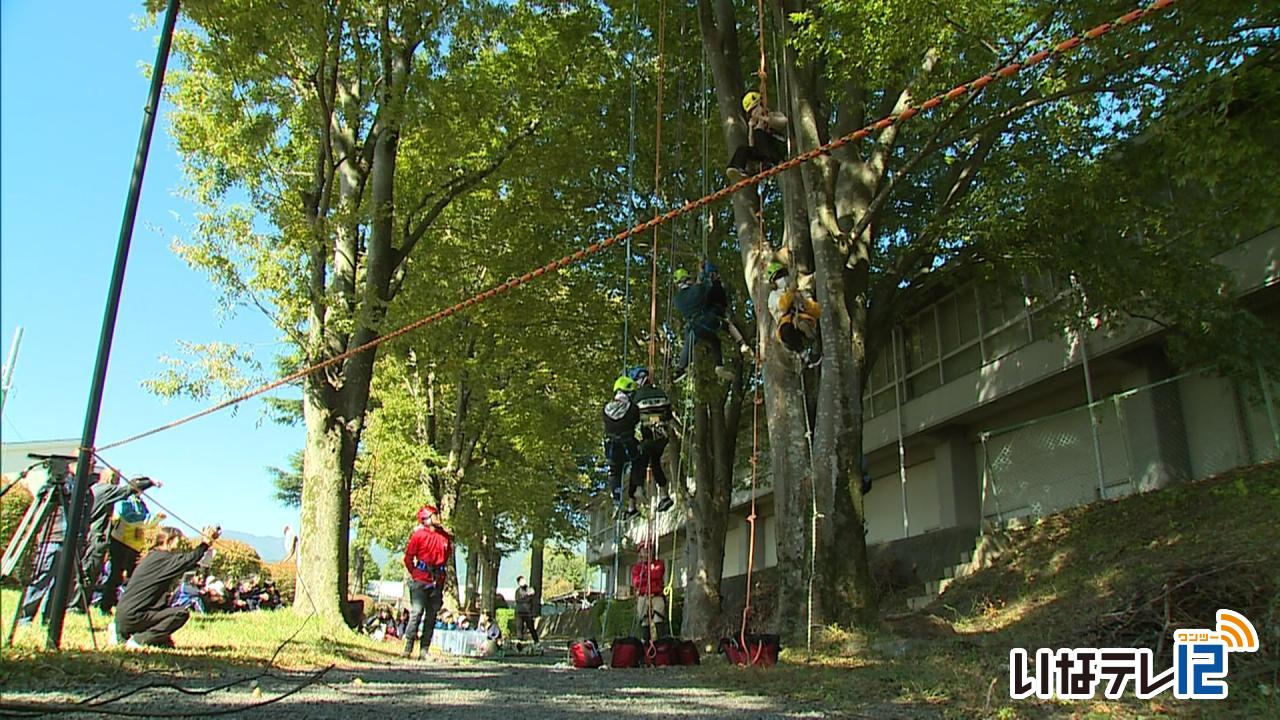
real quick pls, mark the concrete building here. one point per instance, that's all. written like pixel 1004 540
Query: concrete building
pixel 981 414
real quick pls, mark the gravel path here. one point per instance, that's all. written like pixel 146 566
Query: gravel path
pixel 525 689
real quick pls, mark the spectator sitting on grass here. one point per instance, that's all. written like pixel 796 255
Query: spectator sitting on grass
pixel 403 623
pixel 188 594
pixel 489 628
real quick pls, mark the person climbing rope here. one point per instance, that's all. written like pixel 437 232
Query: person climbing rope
pixel 718 304
pixel 701 322
pixel 652 432
pixel 766 138
pixel 647 582
pixel 427 559
pixel 794 310
pixel 621 447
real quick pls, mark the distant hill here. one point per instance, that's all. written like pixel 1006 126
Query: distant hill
pixel 270 549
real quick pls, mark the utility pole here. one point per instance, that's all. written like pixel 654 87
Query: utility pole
pixel 57 603
pixel 6 375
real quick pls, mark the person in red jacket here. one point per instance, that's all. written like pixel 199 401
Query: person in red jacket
pixel 426 558
pixel 647 583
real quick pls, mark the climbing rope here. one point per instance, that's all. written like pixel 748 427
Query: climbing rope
pixel 756 401
pixel 858 135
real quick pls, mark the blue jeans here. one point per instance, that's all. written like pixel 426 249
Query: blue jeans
pixel 42 580
pixel 425 601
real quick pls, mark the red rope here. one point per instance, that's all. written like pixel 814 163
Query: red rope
pixel 856 136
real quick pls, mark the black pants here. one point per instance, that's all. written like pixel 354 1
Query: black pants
pixel 153 627
pixel 651 449
pixel 767 151
pixel 426 601
pixel 700 331
pixel 95 558
pixel 524 622
pixel 621 451
pixel 124 560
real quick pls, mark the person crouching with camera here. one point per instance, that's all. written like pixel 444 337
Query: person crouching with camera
pixel 143 615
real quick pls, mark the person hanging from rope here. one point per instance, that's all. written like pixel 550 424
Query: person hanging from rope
pixel 652 432
pixel 718 304
pixel 426 557
pixel 766 139
pixel 795 311
pixel 647 583
pixel 144 616
pixel 701 322
pixel 102 503
pixel 621 445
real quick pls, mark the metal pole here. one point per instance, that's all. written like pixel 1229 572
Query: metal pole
pixel 902 452
pixel 66 559
pixel 7 381
pixel 1082 336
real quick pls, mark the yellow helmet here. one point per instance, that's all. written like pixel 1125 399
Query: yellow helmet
pixel 750 100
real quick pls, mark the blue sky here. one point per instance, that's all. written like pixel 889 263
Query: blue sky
pixel 71 99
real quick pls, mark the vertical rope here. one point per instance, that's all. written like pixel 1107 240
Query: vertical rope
pixel 657 189
pixel 751 519
pixel 631 191
pixel 763 72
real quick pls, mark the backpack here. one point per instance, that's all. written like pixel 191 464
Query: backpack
pixel 760 650
pixel 133 510
pixel 687 653
pixel 627 652
pixel 585 654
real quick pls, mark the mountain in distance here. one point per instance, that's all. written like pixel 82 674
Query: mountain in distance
pixel 270 549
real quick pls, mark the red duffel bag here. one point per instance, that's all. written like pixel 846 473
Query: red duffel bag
pixel 585 654
pixel 628 652
pixel 687 653
pixel 662 652
pixel 760 650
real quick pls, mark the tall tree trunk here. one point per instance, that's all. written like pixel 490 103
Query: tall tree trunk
pixel 322 567
pixel 537 556
pixel 841 264
pixel 470 599
pixel 710 515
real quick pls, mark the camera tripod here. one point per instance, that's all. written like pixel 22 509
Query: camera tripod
pixel 39 521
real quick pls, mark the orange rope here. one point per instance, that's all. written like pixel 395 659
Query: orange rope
pixel 763 72
pixel 858 135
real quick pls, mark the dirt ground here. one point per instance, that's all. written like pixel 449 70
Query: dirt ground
pixel 509 689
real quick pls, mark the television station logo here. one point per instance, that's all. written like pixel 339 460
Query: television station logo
pixel 1199 669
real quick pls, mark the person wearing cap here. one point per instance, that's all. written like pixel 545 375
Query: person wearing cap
pixel 647 582
pixel 621 448
pixel 793 309
pixel 766 138
pixel 426 557
pixel 103 496
pixel 652 432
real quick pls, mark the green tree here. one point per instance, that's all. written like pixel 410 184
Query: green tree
pixel 996 186
pixel 565 572
pixel 351 128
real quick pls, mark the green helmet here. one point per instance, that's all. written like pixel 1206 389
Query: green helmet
pixel 624 384
pixel 774 270
pixel 681 275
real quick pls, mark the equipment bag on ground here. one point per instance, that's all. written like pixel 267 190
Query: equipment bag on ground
pixel 585 654
pixel 628 652
pixel 687 653
pixel 662 652
pixel 760 650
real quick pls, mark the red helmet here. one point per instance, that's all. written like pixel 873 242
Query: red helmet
pixel 426 512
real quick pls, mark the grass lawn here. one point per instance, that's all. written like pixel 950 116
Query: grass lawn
pixel 209 645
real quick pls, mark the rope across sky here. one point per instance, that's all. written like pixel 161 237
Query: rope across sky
pixel 858 135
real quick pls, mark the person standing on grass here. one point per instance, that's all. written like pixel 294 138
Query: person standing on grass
pixel 526 597
pixel 144 616
pixel 426 558
pixel 103 497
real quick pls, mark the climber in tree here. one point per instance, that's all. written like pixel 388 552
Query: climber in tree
pixel 766 138
pixel 621 448
pixel 718 304
pixel 794 310
pixel 655 416
pixel 701 321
